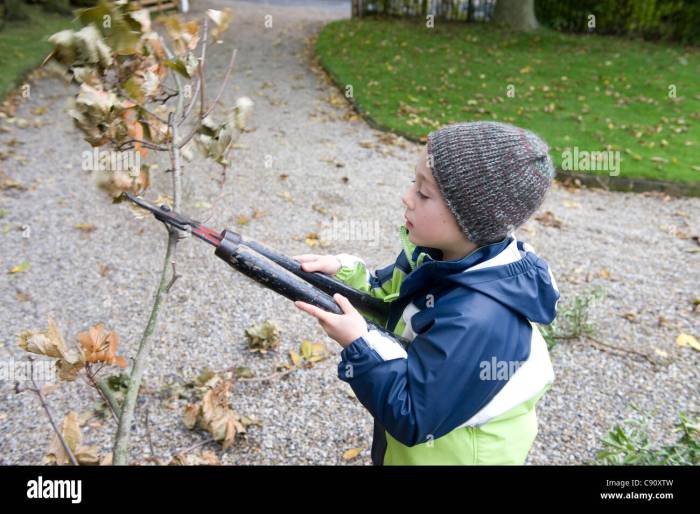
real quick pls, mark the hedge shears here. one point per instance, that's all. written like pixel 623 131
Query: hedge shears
pixel 273 269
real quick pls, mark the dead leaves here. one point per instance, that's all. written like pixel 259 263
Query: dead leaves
pixel 98 115
pixel 206 458
pixel 630 316
pixel 687 340
pixel 352 453
pixel 221 20
pixel 184 35
pixel 84 455
pixel 548 219
pixel 50 343
pixel 95 346
pixel 263 338
pixel 309 353
pixel 6 182
pixel 100 346
pixel 85 227
pixel 216 138
pixel 214 414
pixel 115 183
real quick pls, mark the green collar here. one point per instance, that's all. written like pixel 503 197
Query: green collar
pixel 410 250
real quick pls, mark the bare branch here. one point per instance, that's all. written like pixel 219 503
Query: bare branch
pixel 175 276
pixel 224 83
pixel 36 390
pixel 91 380
pixel 148 435
pixel 200 82
pixel 147 144
pixel 121 444
pixel 267 378
pixel 211 107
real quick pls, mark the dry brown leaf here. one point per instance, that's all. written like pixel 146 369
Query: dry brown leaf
pixel 352 453
pixel 85 227
pixel 687 340
pixel 101 346
pixel 549 220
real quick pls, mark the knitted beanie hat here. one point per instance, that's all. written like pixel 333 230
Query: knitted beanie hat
pixel 493 176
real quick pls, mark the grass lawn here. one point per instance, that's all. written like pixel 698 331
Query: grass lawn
pixel 591 92
pixel 23 44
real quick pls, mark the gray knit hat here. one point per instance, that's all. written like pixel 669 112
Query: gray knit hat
pixel 493 176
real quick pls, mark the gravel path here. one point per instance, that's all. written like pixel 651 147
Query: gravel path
pixel 623 242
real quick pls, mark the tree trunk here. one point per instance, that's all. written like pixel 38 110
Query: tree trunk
pixel 357 8
pixel 516 14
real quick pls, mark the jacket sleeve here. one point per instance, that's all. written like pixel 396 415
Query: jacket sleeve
pixel 430 389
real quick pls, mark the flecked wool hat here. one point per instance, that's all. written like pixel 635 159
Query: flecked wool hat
pixel 493 176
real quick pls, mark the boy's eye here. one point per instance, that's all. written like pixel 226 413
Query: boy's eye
pixel 420 195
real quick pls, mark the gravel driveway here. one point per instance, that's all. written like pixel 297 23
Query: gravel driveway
pixel 307 159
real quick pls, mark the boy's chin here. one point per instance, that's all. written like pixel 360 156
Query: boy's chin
pixel 412 238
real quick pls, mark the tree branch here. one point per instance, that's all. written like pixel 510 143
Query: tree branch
pixel 36 390
pixel 200 82
pixel 121 444
pixel 91 380
pixel 216 100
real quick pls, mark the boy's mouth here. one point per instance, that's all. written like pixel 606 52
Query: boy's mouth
pixel 408 223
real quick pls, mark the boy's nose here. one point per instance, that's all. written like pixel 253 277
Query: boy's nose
pixel 405 202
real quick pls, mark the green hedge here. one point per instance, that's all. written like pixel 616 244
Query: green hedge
pixel 677 20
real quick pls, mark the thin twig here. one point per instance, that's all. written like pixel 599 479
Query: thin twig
pixel 224 83
pixel 218 96
pixel 175 276
pixel 200 82
pixel 200 72
pixel 147 144
pixel 274 376
pixel 148 435
pixel 91 380
pixel 621 351
pixel 195 446
pixel 36 390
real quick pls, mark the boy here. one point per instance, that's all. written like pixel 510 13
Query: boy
pixel 465 292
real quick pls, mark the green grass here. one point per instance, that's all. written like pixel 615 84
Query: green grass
pixel 23 44
pixel 591 92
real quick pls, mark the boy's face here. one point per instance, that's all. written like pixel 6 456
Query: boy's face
pixel 428 218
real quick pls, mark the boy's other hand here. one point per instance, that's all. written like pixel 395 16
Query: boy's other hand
pixel 344 328
pixel 328 264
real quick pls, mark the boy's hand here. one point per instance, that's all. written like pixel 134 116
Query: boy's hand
pixel 344 328
pixel 328 264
